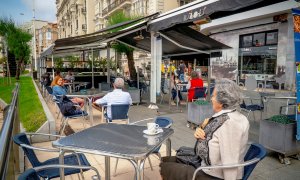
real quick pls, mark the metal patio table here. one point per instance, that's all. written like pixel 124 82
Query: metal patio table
pixel 115 140
pixel 87 95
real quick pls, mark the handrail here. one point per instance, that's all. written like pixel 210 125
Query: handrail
pixel 9 153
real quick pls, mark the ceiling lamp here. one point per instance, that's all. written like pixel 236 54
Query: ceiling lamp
pixel 202 21
pixel 139 36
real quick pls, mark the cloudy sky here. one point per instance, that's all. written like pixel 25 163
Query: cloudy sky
pixel 21 10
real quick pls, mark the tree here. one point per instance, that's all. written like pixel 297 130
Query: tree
pixel 17 42
pixel 115 18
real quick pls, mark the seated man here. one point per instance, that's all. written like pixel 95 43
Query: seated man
pixel 117 96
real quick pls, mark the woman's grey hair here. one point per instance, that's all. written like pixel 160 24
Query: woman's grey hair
pixel 119 83
pixel 228 93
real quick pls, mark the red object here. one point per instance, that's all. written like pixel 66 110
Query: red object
pixel 194 83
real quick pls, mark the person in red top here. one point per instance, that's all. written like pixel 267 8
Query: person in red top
pixel 194 82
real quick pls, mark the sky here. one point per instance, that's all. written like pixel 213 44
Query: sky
pixel 21 10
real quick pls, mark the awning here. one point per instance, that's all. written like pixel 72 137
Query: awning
pixel 47 52
pixel 93 39
pixel 183 35
pixel 197 10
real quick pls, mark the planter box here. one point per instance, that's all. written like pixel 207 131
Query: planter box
pixel 279 137
pixel 197 113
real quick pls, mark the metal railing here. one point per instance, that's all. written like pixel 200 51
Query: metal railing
pixel 9 152
pixel 113 5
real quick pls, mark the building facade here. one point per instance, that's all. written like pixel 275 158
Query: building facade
pixel 261 41
pixel 79 17
pixel 45 37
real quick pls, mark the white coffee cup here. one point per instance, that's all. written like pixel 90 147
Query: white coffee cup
pixel 152 140
pixel 152 127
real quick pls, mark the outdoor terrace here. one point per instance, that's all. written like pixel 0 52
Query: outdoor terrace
pixel 268 168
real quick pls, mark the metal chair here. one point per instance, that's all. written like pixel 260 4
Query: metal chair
pixel 105 86
pixel 50 94
pixel 64 120
pixel 255 153
pixel 33 173
pixel 118 112
pixel 163 122
pixel 72 159
pixel 199 93
pixel 254 103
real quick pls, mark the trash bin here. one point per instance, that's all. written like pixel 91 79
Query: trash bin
pixel 34 74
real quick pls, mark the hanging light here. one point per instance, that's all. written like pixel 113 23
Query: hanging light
pixel 139 36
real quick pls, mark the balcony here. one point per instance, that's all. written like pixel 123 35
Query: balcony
pixel 118 4
pixel 84 27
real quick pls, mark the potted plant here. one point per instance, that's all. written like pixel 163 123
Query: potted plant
pixel 278 134
pixel 197 112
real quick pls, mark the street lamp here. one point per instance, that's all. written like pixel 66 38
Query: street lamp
pixel 34 39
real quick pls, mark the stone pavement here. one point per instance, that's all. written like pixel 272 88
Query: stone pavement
pixel 269 168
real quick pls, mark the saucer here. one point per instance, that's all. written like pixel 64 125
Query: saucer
pixel 146 131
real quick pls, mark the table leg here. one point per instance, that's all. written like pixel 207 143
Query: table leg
pixel 141 169
pixel 91 111
pixel 61 161
pixel 107 168
pixel 168 147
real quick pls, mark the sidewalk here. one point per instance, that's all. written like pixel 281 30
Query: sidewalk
pixel 269 168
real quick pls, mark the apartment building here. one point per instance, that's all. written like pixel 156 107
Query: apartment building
pixel 79 17
pixel 45 37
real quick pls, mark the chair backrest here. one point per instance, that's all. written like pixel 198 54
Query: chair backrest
pixel 22 139
pixel 199 92
pixel 105 86
pixel 164 122
pixel 29 174
pixel 119 111
pixel 49 89
pixel 254 151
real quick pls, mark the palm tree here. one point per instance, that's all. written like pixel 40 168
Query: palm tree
pixel 17 42
pixel 115 18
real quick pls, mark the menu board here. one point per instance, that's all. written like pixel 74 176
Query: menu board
pixel 296 17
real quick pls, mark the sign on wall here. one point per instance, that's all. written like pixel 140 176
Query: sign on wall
pixel 296 17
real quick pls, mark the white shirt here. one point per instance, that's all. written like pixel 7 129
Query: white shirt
pixel 117 96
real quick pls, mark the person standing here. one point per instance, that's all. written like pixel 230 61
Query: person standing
pixel 69 77
pixel 181 71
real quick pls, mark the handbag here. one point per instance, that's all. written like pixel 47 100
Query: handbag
pixel 188 156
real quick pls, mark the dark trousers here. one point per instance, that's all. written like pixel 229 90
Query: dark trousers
pixel 172 170
pixel 174 94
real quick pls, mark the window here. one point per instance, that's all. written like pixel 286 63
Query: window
pixel 184 2
pixel 272 38
pixel 246 41
pixel 48 34
pixel 259 39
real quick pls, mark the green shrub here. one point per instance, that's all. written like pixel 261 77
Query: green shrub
pixel 282 119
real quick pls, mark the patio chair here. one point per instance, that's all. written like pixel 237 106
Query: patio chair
pixel 65 118
pixel 50 94
pixel 255 153
pixel 105 86
pixel 33 173
pixel 118 112
pixel 199 93
pixel 252 103
pixel 163 122
pixel 72 159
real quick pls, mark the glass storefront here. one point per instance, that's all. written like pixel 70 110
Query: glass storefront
pixel 258 55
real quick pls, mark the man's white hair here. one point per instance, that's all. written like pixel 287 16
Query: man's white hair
pixel 119 83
